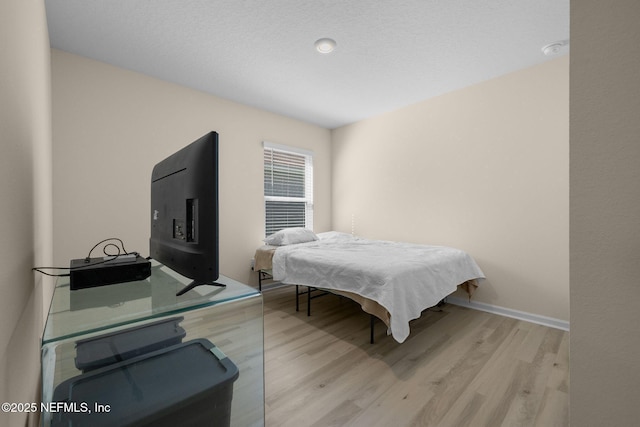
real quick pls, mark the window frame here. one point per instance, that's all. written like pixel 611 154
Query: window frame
pixel 307 198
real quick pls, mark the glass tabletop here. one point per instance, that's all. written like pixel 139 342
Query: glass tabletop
pixel 84 311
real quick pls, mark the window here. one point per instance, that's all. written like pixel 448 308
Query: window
pixel 288 187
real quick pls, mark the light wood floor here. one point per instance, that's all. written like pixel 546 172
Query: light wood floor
pixel 459 367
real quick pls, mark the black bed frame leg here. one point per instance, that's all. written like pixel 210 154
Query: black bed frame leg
pixel 372 327
pixel 371 316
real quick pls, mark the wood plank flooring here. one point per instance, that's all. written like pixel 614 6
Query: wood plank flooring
pixel 459 367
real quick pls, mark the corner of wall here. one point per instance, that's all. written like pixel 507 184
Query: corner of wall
pixel 25 183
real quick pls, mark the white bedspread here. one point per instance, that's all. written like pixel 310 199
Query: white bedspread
pixel 404 278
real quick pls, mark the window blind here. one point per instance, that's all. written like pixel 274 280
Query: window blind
pixel 288 187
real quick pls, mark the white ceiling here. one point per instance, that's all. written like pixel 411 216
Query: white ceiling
pixel 390 53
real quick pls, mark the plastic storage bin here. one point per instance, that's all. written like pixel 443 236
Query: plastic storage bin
pixel 96 352
pixel 188 384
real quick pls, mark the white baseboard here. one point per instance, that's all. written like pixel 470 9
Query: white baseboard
pixel 516 314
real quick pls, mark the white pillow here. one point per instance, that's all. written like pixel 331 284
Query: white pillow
pixel 289 236
pixel 335 235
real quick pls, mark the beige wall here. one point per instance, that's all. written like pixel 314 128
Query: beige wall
pixel 25 191
pixel 111 126
pixel 605 213
pixel 484 169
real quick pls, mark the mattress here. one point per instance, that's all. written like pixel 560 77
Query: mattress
pixel 402 278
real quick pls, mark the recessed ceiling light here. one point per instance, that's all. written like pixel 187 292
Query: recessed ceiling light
pixel 325 45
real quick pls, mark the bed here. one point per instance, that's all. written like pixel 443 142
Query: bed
pixel 394 281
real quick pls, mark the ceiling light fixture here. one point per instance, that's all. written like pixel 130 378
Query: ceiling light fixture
pixel 325 45
pixel 555 48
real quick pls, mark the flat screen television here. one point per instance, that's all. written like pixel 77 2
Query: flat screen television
pixel 184 212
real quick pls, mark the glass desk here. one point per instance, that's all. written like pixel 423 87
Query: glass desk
pixel 102 339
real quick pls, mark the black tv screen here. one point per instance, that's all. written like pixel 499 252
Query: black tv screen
pixel 184 212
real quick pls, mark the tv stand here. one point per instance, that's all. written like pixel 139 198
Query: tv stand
pixel 145 321
pixel 195 283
